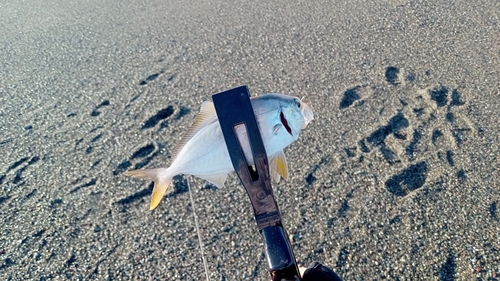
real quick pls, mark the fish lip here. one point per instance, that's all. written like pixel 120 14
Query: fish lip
pixel 285 123
pixel 307 113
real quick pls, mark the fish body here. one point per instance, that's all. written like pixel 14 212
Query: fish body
pixel 202 152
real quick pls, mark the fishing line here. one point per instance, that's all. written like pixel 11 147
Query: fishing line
pixel 200 241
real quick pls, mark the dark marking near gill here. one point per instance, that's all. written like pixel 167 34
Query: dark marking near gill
pixel 87 184
pixel 285 123
pixel 136 196
pixel 160 115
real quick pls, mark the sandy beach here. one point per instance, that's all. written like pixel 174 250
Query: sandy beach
pixel 397 178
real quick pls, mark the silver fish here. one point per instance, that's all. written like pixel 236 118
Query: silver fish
pixel 202 152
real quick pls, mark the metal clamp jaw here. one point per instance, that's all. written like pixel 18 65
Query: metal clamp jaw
pixel 234 108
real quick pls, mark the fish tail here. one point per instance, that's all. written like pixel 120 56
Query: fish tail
pixel 162 181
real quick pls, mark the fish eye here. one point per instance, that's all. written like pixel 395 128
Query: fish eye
pixel 298 103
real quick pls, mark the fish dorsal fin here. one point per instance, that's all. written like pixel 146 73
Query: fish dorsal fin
pixel 217 180
pixel 207 116
pixel 278 165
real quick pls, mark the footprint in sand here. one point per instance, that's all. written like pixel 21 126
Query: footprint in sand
pixel 432 120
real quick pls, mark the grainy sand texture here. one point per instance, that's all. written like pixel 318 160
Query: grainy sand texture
pixel 397 177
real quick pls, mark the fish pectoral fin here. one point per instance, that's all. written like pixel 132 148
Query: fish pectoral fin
pixel 161 183
pixel 276 128
pixel 217 180
pixel 278 164
pixel 274 175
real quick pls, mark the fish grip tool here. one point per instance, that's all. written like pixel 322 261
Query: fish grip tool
pixel 233 108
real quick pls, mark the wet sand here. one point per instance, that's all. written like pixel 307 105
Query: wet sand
pixel 396 178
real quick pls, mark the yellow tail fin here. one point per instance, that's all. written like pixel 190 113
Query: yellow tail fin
pixel 161 183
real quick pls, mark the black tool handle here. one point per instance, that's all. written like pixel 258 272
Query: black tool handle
pixel 234 108
pixel 279 254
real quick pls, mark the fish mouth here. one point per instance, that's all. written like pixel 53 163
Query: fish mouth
pixel 285 123
pixel 308 114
